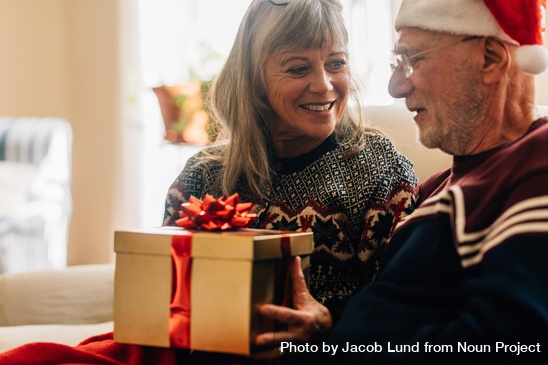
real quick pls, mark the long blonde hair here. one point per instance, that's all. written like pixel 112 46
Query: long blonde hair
pixel 238 101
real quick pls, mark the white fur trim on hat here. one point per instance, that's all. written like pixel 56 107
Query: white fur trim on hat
pixel 461 17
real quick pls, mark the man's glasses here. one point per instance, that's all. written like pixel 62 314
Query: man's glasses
pixel 278 4
pixel 405 62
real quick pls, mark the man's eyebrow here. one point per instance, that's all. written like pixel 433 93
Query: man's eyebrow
pixel 402 48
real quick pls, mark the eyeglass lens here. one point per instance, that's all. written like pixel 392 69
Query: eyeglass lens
pixel 404 62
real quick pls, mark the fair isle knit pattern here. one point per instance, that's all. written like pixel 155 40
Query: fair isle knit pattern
pixel 350 203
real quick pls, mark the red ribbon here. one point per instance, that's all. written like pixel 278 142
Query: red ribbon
pixel 179 321
pixel 215 214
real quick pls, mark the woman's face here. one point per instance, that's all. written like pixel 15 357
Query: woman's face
pixel 308 91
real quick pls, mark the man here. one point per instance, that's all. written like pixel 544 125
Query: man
pixel 466 275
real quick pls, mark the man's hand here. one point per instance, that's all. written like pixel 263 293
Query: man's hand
pixel 307 320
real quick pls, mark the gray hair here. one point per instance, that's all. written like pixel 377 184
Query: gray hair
pixel 238 102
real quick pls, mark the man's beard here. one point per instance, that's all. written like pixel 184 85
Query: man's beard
pixel 456 130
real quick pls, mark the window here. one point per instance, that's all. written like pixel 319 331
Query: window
pixel 180 36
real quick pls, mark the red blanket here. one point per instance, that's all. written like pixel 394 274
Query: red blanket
pixel 97 350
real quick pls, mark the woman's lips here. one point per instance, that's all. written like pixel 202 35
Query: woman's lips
pixel 318 107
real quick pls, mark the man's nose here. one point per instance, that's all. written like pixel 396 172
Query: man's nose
pixel 400 86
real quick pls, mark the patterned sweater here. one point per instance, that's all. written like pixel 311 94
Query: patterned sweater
pixel 350 203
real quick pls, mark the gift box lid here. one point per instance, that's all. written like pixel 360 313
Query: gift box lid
pixel 247 244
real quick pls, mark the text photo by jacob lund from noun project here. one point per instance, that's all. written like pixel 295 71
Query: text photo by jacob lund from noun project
pixel 426 347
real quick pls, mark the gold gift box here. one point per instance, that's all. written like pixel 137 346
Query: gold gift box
pixel 232 274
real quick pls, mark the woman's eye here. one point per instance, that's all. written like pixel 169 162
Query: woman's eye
pixel 337 65
pixel 298 71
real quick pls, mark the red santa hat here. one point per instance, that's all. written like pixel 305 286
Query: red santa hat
pixel 520 22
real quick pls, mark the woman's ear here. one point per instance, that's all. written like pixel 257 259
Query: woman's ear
pixel 496 59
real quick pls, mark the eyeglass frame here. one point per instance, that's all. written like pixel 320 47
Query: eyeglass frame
pixel 278 4
pixel 404 62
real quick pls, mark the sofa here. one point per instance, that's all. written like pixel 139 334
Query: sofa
pixel 56 305
pixel 69 305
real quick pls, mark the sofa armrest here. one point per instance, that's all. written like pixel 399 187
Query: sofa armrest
pixel 76 295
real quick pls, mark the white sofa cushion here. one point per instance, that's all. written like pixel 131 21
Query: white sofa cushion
pixel 543 110
pixel 76 295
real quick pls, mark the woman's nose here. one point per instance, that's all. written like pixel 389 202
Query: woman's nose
pixel 399 85
pixel 321 83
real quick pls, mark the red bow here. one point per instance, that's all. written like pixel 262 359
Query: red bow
pixel 215 214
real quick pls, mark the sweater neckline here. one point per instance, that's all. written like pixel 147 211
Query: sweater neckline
pixel 285 166
pixel 463 165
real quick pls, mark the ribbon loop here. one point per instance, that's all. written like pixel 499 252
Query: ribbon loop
pixel 213 214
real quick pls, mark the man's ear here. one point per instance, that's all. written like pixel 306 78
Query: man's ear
pixel 496 60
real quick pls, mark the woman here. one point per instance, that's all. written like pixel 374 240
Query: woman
pixel 289 143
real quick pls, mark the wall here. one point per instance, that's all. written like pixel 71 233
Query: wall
pixel 95 114
pixel 62 58
pixel 33 45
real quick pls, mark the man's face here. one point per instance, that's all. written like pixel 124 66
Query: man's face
pixel 444 90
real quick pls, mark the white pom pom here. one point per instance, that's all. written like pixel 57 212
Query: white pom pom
pixel 532 59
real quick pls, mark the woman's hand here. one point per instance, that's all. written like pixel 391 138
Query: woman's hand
pixel 307 320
